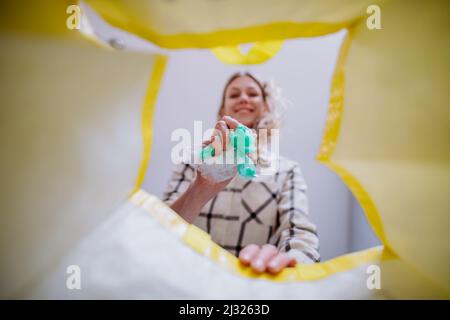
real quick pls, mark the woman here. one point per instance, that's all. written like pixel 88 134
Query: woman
pixel 264 220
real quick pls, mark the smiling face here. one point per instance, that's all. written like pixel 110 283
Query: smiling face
pixel 244 101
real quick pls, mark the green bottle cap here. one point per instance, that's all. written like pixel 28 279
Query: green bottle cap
pixel 242 140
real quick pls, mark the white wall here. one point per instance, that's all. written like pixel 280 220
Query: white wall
pixel 191 90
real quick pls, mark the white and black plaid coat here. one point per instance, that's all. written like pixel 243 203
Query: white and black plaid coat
pixel 266 209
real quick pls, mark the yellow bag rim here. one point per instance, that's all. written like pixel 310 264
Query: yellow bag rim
pixel 201 242
pixel 274 31
pixel 260 52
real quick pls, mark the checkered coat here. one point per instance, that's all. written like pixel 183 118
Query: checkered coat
pixel 266 209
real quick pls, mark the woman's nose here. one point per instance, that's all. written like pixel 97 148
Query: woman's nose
pixel 244 99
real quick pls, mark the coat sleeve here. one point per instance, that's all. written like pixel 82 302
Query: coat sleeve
pixel 296 234
pixel 180 179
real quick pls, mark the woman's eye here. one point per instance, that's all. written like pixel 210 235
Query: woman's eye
pixel 234 96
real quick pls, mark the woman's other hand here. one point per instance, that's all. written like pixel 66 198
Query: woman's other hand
pixel 265 258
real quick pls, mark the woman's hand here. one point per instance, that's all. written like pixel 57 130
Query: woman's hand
pixel 219 138
pixel 265 258
pixel 219 142
pixel 202 189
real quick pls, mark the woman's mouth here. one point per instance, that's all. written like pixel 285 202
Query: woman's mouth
pixel 244 109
